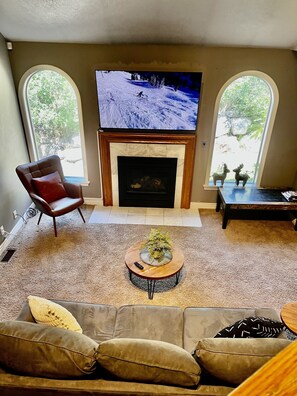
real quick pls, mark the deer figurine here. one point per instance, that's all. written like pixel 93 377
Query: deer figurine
pixel 220 176
pixel 240 176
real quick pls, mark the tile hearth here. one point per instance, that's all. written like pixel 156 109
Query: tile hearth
pixel 149 216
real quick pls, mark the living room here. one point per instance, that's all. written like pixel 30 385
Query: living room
pixel 257 255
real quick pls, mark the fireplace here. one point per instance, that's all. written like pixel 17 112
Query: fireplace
pixel 115 144
pixel 147 181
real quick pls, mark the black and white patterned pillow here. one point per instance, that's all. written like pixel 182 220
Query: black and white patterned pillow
pixel 253 327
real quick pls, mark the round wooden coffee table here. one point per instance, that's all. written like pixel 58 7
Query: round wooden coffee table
pixel 289 316
pixel 151 273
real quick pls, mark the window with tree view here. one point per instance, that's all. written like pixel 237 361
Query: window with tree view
pixel 242 120
pixel 55 125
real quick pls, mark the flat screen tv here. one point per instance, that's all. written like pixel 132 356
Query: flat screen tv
pixel 143 100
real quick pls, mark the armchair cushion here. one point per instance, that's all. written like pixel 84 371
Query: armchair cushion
pixel 50 187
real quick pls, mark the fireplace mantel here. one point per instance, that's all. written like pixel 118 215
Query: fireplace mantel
pixel 106 138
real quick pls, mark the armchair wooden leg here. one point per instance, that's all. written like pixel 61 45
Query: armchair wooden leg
pixel 81 214
pixel 55 226
pixel 39 218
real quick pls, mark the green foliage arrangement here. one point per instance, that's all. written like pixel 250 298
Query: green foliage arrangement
pixel 246 100
pixel 53 110
pixel 158 243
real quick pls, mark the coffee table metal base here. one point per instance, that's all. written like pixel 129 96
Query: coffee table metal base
pixel 151 283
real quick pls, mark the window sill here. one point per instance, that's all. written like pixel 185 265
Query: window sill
pixel 79 180
pixel 208 187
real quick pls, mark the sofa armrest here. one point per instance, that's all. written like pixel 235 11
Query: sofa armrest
pixel 40 203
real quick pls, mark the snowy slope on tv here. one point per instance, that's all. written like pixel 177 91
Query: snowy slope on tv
pixel 148 100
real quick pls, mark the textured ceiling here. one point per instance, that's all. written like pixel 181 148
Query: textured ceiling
pixel 245 23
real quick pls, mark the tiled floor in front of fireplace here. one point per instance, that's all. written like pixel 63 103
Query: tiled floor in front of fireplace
pixel 149 216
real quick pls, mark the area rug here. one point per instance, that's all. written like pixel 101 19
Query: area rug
pixel 249 264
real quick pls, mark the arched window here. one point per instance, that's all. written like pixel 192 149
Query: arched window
pixel 52 112
pixel 245 109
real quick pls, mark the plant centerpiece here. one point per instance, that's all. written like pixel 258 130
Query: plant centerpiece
pixel 157 248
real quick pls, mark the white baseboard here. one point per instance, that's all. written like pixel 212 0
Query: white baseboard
pixel 4 245
pixel 203 205
pixel 94 201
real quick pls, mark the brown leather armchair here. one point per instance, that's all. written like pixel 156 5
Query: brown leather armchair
pixel 63 197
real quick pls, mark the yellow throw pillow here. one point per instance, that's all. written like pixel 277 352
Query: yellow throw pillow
pixel 52 314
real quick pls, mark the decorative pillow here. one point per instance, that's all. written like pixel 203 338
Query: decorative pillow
pixel 234 360
pixel 52 314
pixel 50 187
pixel 148 361
pixel 44 351
pixel 253 327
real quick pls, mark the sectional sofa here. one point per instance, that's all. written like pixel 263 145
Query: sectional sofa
pixel 132 350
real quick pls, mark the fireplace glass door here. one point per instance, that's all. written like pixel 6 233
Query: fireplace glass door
pixel 147 181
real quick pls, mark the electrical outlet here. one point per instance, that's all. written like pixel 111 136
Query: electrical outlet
pixel 2 230
pixel 15 214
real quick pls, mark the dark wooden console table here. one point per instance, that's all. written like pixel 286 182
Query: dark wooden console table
pixel 233 199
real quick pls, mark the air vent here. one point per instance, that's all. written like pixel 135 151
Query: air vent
pixel 8 255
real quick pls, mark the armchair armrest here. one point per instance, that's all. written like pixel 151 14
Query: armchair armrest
pixel 73 190
pixel 40 203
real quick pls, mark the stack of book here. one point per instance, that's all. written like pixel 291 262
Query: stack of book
pixel 290 195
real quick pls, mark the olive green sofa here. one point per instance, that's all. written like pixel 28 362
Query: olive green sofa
pixel 183 328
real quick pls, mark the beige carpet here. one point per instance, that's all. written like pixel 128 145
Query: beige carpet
pixel 250 264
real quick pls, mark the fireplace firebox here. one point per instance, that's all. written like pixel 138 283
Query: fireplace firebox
pixel 147 181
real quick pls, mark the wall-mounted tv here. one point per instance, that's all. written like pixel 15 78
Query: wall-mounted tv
pixel 148 100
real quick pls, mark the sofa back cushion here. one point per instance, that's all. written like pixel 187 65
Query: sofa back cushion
pixel 202 323
pixel 45 351
pixel 96 320
pixel 148 361
pixel 150 322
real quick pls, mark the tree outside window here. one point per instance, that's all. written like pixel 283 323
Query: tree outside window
pixel 242 117
pixel 54 117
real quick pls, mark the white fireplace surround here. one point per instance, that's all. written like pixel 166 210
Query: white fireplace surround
pixel 147 150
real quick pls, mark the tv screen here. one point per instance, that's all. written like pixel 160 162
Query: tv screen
pixel 143 100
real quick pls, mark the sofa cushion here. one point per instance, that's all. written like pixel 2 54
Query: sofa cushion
pixel 148 361
pixel 202 322
pixel 52 314
pixel 253 327
pixel 235 359
pixel 44 351
pixel 150 322
pixel 50 187
pixel 96 320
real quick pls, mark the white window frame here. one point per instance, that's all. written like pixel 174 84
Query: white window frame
pixel 267 128
pixel 22 92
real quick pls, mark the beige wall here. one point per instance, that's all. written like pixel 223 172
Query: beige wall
pixel 13 149
pixel 217 65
